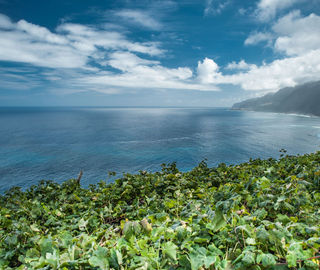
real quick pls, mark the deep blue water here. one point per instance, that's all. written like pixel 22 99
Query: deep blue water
pixel 55 143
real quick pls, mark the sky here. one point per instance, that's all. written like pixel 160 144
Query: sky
pixel 209 53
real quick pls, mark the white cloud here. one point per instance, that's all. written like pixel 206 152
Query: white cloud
pixel 126 61
pixel 140 17
pixel 40 33
pixel 297 34
pixel 258 37
pixel 20 47
pixel 141 73
pixel 279 73
pixel 242 65
pixel 70 51
pixel 298 39
pixel 88 38
pixel 150 77
pixel 215 7
pixel 207 71
pixel 267 9
pixel 292 34
pixel 120 63
pixel 5 22
pixel 71 47
pixel 267 77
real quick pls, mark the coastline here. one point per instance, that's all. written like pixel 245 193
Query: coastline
pixel 287 113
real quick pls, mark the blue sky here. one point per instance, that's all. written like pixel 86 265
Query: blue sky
pixel 154 53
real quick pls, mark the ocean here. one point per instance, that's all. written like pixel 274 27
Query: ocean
pixel 56 143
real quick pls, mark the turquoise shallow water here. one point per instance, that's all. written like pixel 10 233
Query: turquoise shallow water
pixel 55 143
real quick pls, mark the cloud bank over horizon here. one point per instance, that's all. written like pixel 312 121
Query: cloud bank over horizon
pixel 109 57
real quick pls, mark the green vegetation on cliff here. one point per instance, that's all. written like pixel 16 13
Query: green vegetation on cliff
pixel 302 99
pixel 264 214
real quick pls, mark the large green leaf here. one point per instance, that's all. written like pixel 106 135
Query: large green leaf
pixel 266 259
pixel 200 256
pixel 170 249
pixel 99 258
pixel 217 222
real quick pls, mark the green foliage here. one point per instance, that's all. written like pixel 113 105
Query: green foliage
pixel 99 258
pixel 263 214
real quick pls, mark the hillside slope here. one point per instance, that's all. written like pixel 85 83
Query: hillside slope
pixel 302 99
pixel 263 214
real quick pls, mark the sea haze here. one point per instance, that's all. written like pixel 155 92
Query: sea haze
pixel 55 143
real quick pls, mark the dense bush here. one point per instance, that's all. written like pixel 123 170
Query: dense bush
pixel 264 214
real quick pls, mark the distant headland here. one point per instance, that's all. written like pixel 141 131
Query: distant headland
pixel 301 99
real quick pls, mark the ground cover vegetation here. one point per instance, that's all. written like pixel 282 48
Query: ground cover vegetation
pixel 263 214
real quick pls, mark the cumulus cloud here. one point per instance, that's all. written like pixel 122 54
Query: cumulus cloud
pixel 267 9
pixel 208 71
pixel 292 34
pixel 267 77
pixel 297 38
pixel 279 73
pixel 140 17
pixel 297 34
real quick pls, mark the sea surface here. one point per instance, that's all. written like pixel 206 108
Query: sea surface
pixel 56 143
